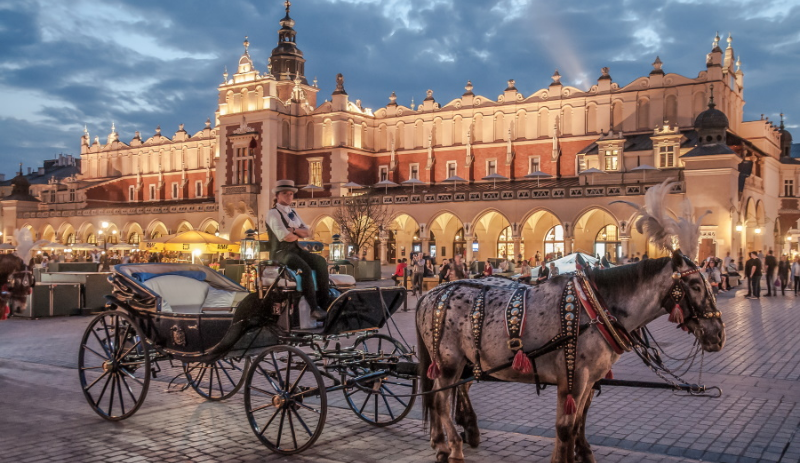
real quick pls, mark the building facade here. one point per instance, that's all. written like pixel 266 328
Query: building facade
pixel 556 161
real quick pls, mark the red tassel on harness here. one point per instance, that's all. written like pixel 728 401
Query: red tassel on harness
pixel 4 311
pixel 522 363
pixel 433 371
pixel 569 406
pixel 609 375
pixel 676 316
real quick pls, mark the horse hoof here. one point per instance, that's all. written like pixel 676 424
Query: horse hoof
pixel 473 439
pixel 442 457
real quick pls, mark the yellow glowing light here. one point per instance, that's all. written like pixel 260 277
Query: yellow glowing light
pixel 758 231
pixel 738 228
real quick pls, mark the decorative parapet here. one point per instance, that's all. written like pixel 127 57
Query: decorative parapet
pixel 116 211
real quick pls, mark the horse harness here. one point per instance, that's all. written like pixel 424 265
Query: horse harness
pixel 677 294
pixel 19 279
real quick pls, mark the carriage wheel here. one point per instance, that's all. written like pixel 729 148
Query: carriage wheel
pixel 379 401
pixel 285 399
pixel 219 380
pixel 114 365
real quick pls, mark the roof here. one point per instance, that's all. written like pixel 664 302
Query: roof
pixel 643 142
pixel 708 150
pixel 50 170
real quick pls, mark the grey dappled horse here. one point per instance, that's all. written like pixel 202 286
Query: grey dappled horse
pixel 635 294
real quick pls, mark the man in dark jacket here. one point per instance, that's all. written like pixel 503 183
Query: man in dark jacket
pixel 771 263
pixel 753 272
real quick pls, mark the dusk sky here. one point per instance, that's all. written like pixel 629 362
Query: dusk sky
pixel 143 63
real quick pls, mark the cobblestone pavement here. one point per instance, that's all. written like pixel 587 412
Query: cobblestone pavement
pixel 44 417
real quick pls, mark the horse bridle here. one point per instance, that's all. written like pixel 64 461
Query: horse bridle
pixel 20 279
pixel 679 290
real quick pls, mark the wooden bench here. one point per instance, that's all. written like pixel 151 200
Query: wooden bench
pixel 428 283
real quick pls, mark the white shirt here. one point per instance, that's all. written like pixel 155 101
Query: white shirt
pixel 276 224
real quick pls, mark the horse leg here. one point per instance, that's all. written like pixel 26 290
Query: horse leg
pixel 438 438
pixel 452 450
pixel 583 451
pixel 465 416
pixel 566 425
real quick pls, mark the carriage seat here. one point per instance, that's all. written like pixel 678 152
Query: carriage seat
pixel 188 295
pixel 269 275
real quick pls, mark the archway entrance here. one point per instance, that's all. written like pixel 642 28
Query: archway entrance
pixel 542 232
pixel 445 227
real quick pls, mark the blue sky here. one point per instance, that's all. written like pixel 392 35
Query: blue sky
pixel 145 63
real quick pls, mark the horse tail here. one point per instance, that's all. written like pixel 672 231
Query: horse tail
pixel 426 384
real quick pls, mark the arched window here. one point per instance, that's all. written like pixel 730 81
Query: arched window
pixel 499 133
pixel 459 242
pixel 310 136
pixel 519 125
pixel 285 134
pixel 364 143
pixel 380 140
pixel 351 134
pixel 505 244
pixel 477 129
pixel 616 116
pixel 327 133
pixel 607 243
pixel 566 123
pixel 399 137
pixel 544 122
pixel 671 110
pixel 134 238
pixel 91 239
pixel 458 130
pixel 419 136
pixel 554 242
pixel 591 119
pixel 643 114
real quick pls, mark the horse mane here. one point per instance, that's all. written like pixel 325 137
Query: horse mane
pixel 628 278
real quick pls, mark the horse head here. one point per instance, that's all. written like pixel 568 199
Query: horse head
pixel 691 303
pixel 17 283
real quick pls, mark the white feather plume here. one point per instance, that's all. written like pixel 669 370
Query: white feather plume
pixel 661 229
pixel 24 244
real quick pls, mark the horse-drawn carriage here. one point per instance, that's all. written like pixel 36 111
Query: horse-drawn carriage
pixel 228 338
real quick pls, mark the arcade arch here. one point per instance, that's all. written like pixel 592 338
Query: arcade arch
pixel 495 237
pixel 543 232
pixel 324 229
pixel 445 227
pixel 590 227
pixel 406 238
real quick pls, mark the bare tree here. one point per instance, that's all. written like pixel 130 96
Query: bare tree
pixel 360 220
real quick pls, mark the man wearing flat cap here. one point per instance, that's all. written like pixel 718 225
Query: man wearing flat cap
pixel 285 228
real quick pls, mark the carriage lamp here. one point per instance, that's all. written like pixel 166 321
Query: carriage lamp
pixel 249 246
pixel 336 249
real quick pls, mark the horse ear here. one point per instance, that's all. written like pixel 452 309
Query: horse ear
pixel 677 258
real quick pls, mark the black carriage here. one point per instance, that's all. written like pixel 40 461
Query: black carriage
pixel 228 337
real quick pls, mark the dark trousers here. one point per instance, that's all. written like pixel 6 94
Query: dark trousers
pixel 417 283
pixel 796 284
pixel 771 282
pixel 755 285
pixel 295 258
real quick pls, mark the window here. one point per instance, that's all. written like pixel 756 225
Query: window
pixel 612 160
pixel 491 167
pixel 53 196
pixel 152 192
pixel 134 238
pixel 413 171
pixel 315 172
pixel 174 191
pixel 554 242
pixel 607 242
pixel 243 166
pixel 383 173
pixel 788 188
pixel 451 169
pixel 131 193
pixel 198 189
pixel 505 244
pixel 581 163
pixel 666 156
pixel 72 195
pixel 534 164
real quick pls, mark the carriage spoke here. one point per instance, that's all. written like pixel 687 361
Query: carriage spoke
pixel 122 341
pixel 262 407
pixel 102 393
pixel 361 410
pixel 271 381
pixel 95 381
pixel 94 352
pixel 136 344
pixel 266 393
pixel 128 387
pixel 303 423
pixel 376 408
pixel 103 344
pixel 91 368
pixel 119 392
pixel 111 398
pixel 388 408
pixel 219 383
pixel 277 370
pixel 291 428
pixel 309 408
pixel 297 381
pixel 280 428
pixel 225 370
pixel 394 396
pixel 210 379
pixel 266 426
pixel 288 372
pixel 131 376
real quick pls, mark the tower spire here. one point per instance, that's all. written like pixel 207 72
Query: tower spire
pixel 711 104
pixel 287 60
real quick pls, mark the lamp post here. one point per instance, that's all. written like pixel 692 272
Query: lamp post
pixel 249 248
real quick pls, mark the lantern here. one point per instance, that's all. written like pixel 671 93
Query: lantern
pixel 336 249
pixel 249 246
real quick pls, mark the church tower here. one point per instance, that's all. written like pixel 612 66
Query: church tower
pixel 286 61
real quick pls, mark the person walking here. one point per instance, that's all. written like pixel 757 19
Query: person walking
pixel 713 274
pixel 754 275
pixel 796 274
pixel 417 273
pixel 771 265
pixel 784 267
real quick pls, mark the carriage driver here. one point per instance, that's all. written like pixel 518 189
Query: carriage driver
pixel 287 227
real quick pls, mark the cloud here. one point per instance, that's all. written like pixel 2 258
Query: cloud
pixel 142 63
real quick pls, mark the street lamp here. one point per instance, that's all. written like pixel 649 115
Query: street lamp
pixel 738 227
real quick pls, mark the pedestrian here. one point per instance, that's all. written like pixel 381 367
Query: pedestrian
pixel 537 258
pixel 784 267
pixel 487 268
pixel 525 273
pixel 713 275
pixel 544 273
pixel 771 265
pixel 399 271
pixel 754 276
pixel 417 273
pixel 444 271
pixel 796 274
pixel 553 270
pixel 458 270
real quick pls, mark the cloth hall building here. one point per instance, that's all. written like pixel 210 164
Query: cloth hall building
pixel 590 147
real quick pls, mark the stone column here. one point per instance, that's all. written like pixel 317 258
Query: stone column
pixel 517 246
pixel 626 245
pixel 468 239
pixel 383 250
pixel 568 242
